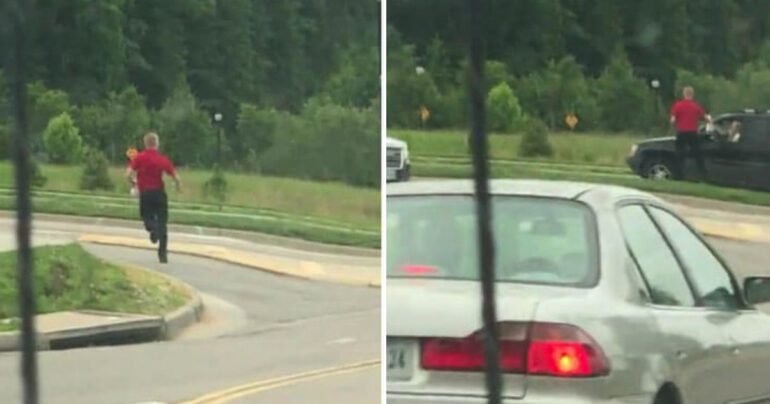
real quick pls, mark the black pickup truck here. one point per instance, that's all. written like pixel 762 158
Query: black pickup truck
pixel 736 152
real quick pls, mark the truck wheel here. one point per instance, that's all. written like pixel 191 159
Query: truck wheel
pixel 658 168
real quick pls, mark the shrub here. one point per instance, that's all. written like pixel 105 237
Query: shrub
pixel 96 173
pixel 62 140
pixel 44 105
pixel 557 90
pixel 255 131
pixel 36 176
pixel 215 188
pixel 503 110
pixel 187 134
pixel 625 101
pixel 535 141
pixel 115 123
pixel 408 90
pixel 327 142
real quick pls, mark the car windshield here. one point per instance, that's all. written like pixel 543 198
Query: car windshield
pixel 538 240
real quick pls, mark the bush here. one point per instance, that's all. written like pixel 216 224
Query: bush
pixel 36 176
pixel 44 105
pixel 215 188
pixel 626 103
pixel 256 131
pixel 535 141
pixel 62 140
pixel 114 124
pixel 96 173
pixel 559 89
pixel 187 134
pixel 327 142
pixel 503 110
pixel 408 90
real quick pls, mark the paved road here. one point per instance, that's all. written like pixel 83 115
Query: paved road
pixel 260 327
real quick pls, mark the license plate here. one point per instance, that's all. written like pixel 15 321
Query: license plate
pixel 400 359
pixel 392 174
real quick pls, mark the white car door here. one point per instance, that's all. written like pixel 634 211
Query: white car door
pixel 691 344
pixel 746 330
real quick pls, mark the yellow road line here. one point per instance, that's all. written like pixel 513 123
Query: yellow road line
pixel 233 393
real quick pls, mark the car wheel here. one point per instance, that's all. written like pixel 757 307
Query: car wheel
pixel 658 169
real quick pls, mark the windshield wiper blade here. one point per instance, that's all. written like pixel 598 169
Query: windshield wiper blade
pixel 478 143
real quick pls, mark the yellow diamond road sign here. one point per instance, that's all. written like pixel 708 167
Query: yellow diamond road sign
pixel 424 114
pixel 571 120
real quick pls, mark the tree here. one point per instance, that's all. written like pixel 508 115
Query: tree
pixel 535 142
pixel 187 134
pixel 116 123
pixel 503 110
pixel 62 140
pixel 355 83
pixel 95 173
pixel 559 89
pixel 626 103
pixel 409 89
pixel 44 104
pixel 256 130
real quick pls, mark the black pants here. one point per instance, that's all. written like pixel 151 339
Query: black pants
pixel 691 141
pixel 153 206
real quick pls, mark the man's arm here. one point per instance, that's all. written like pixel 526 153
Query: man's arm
pixel 131 175
pixel 171 171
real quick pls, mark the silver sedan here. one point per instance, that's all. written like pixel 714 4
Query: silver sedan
pixel 604 295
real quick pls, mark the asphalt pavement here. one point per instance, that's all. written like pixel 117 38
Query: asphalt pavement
pixel 259 327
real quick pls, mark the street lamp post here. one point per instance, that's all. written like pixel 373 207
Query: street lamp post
pixel 218 120
pixel 655 84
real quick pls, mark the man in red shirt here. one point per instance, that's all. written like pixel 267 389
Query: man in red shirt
pixel 146 171
pixel 685 116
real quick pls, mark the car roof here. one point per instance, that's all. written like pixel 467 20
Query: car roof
pixel 541 188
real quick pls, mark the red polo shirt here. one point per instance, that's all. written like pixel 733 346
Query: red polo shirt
pixel 150 166
pixel 686 115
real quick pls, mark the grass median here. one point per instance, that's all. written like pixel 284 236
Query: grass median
pixel 663 187
pixel 330 213
pixel 569 148
pixel 69 278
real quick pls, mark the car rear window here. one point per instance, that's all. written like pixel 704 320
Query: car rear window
pixel 537 240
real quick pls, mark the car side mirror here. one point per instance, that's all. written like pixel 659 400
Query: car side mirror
pixel 756 289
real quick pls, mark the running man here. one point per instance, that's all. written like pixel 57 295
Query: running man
pixel 146 171
pixel 685 115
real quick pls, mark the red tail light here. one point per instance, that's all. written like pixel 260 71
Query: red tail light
pixel 533 348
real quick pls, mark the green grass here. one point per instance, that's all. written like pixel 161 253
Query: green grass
pixel 329 200
pixel 331 213
pixel 666 187
pixel 69 278
pixel 580 148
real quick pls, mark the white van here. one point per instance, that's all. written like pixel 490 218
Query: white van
pixel 397 160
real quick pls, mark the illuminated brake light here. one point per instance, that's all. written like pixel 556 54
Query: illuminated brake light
pixel 546 349
pixel 418 269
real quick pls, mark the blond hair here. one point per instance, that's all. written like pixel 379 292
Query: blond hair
pixel 151 139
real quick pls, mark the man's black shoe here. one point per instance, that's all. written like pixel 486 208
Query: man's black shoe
pixel 153 236
pixel 163 259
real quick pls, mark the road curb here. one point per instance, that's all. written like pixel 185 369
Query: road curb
pixel 144 329
pixel 262 238
pixel 296 269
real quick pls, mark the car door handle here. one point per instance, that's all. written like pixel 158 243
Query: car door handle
pixel 735 351
pixel 681 355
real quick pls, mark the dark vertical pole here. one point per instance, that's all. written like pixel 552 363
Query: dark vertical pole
pixel 18 14
pixel 483 208
pixel 219 145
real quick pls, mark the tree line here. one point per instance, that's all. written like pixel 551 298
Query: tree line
pixel 595 59
pixel 102 72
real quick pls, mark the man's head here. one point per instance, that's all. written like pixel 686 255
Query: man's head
pixel 688 93
pixel 151 140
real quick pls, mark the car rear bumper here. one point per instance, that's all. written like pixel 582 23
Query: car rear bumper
pixel 401 398
pixel 635 164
